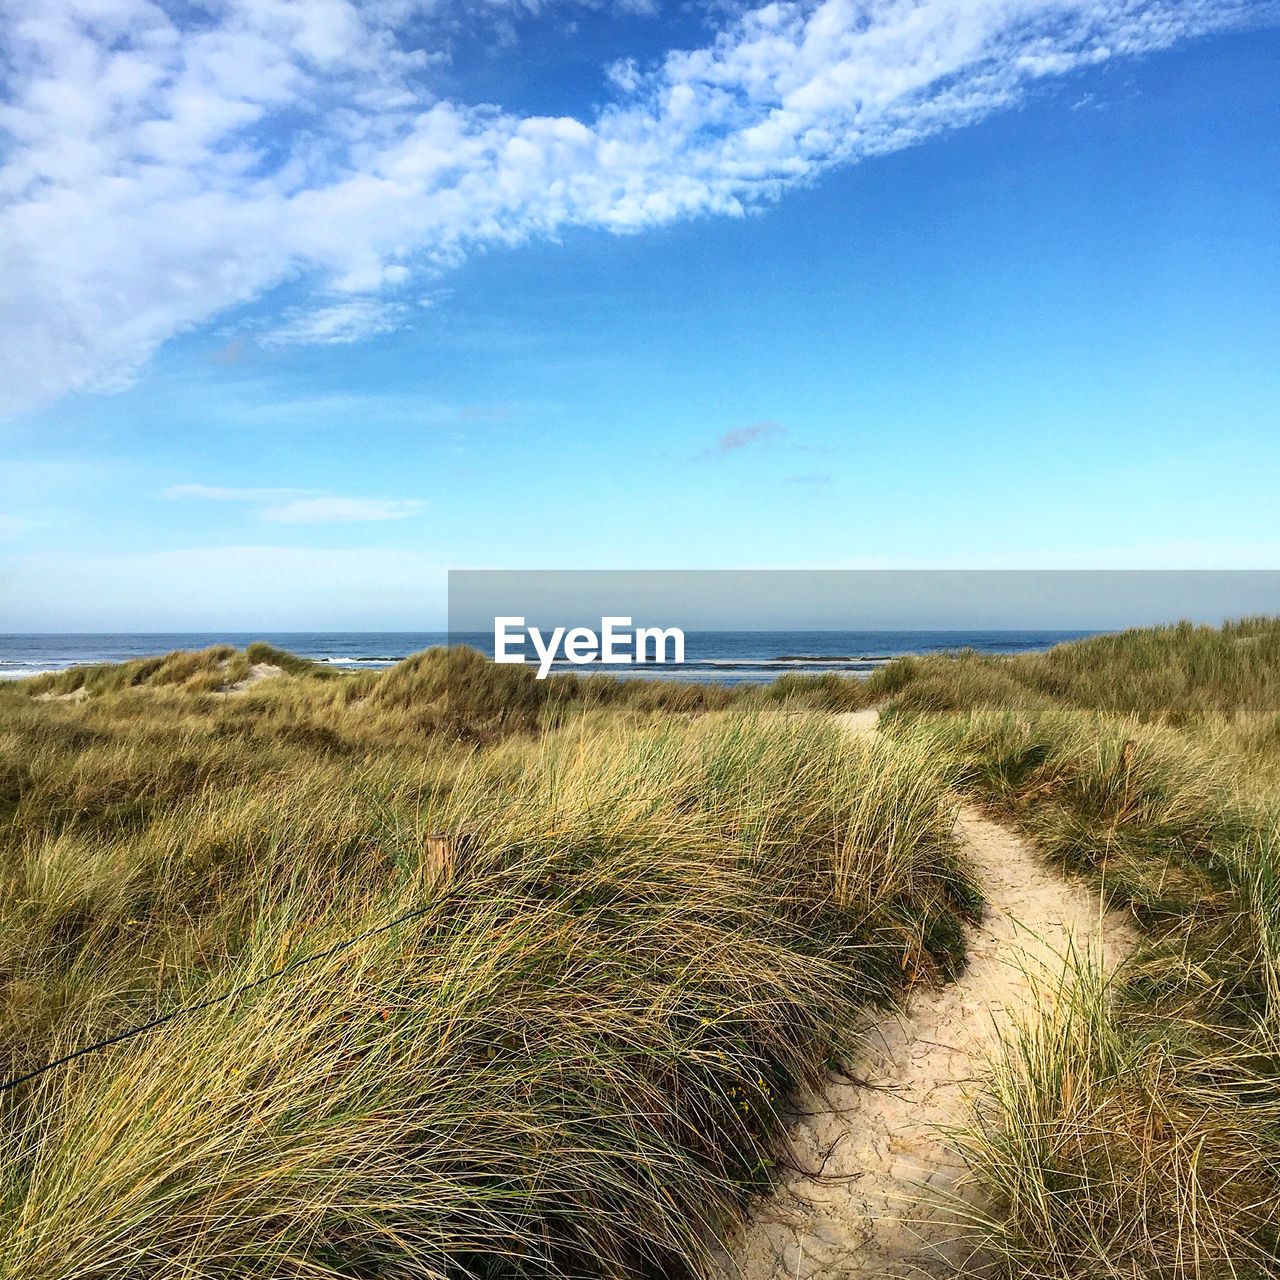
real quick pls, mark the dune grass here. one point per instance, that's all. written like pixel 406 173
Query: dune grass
pixel 1117 1147
pixel 1177 673
pixel 669 902
pixel 1135 1129
pixel 650 930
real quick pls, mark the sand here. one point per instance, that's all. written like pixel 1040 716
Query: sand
pixel 258 672
pixel 76 695
pixel 894 1192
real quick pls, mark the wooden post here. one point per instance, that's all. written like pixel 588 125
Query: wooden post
pixel 447 855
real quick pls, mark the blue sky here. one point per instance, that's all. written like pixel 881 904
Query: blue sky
pixel 306 303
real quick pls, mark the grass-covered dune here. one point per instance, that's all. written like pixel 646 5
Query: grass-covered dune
pixel 642 931
pixel 1136 1130
pixel 455 693
pixel 215 670
pixel 655 913
pixel 1177 673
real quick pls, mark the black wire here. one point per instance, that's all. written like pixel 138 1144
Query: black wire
pixel 230 995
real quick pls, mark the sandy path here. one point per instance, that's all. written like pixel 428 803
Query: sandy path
pixel 891 1203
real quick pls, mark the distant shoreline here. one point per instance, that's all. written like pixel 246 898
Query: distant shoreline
pixel 718 657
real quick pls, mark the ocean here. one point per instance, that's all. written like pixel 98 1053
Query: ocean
pixel 720 657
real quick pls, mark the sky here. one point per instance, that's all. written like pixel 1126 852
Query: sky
pixel 305 302
pixel 483 602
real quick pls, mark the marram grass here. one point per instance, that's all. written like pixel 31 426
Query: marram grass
pixel 571 1065
pixel 1134 1130
pixel 1111 1149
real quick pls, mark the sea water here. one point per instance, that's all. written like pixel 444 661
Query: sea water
pixel 721 657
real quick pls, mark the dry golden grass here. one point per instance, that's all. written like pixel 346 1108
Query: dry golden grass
pixel 1135 1130
pixel 569 1064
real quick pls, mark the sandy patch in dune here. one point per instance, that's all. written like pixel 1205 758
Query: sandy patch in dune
pixel 76 695
pixel 257 673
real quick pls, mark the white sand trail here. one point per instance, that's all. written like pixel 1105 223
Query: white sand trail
pixel 891 1202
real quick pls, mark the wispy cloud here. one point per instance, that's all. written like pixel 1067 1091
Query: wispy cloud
pixel 344 510
pixel 218 493
pixel 740 437
pixel 164 163
pixel 483 412
pixel 10 525
pixel 344 322
pixel 303 506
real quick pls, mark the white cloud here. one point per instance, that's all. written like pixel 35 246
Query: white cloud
pixel 303 506
pixel 217 493
pixel 343 322
pixel 334 510
pixel 159 170
pixel 13 525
